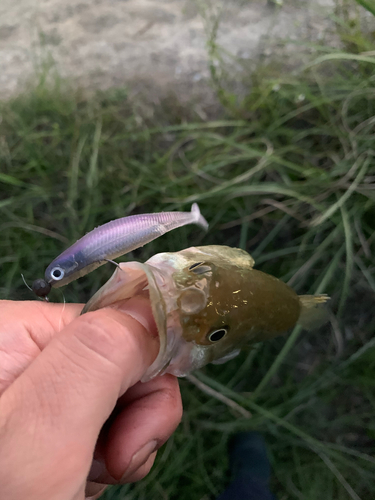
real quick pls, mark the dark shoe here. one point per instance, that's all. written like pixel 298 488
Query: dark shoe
pixel 250 469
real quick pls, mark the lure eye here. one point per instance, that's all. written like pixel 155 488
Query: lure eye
pixel 217 335
pixel 199 268
pixel 57 273
pixel 41 288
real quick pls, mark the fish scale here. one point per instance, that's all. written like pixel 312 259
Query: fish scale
pixel 208 303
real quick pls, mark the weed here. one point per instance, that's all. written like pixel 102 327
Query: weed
pixel 293 183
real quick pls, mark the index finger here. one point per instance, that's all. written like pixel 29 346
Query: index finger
pixel 26 328
pixel 36 319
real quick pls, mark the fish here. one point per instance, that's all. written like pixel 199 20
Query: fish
pixel 208 303
pixel 109 241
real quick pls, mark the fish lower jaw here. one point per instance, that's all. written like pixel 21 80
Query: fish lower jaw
pixel 179 359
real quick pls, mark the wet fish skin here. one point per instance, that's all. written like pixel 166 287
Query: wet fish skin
pixel 113 239
pixel 249 303
pixel 208 302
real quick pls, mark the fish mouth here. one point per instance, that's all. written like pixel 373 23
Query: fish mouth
pixel 129 280
pixel 155 280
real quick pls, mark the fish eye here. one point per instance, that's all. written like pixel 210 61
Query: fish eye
pixel 200 268
pixel 57 273
pixel 217 335
pixel 41 288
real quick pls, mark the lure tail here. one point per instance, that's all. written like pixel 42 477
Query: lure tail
pixel 198 217
pixel 313 311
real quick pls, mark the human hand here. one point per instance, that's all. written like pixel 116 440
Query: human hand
pixel 70 391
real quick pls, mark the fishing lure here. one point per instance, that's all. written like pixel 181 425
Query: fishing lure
pixel 109 241
pixel 208 302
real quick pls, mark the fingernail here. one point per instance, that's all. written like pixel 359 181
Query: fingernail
pixel 94 491
pixel 97 469
pixel 139 458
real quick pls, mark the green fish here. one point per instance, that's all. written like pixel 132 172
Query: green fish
pixel 209 302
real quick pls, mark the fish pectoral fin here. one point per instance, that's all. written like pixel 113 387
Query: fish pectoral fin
pixel 227 357
pixel 314 312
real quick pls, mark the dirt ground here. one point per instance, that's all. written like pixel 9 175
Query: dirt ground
pixel 106 43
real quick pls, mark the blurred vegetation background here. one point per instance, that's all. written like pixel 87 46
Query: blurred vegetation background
pixel 286 172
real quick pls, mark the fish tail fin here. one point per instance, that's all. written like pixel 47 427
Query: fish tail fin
pixel 198 217
pixel 313 311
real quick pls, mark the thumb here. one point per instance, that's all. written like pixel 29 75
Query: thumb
pixel 54 411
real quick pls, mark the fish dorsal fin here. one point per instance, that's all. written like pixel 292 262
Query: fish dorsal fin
pixel 236 256
pixel 241 258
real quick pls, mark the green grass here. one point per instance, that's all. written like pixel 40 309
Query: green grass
pixel 288 173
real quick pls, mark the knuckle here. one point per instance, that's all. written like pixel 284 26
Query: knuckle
pixel 102 335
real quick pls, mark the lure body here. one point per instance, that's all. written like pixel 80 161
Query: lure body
pixel 208 302
pixel 114 239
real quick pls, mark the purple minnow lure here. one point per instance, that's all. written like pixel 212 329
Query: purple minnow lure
pixel 109 241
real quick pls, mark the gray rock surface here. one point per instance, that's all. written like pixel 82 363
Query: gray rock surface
pixel 105 43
